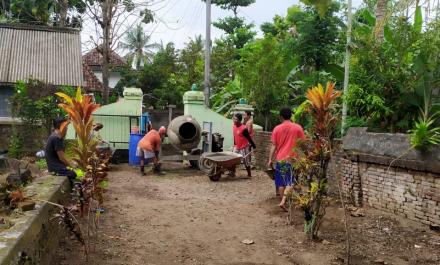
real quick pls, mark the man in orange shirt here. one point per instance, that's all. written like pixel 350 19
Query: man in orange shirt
pixel 284 138
pixel 148 149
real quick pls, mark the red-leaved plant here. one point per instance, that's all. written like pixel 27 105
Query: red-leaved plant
pixel 313 155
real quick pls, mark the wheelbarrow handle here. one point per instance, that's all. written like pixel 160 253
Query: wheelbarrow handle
pixel 248 153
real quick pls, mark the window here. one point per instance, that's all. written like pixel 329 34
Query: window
pixel 5 93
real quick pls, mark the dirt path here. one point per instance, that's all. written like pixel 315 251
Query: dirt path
pixel 183 218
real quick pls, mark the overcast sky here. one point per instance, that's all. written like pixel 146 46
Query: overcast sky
pixel 178 20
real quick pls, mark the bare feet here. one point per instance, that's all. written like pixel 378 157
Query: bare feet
pixel 282 206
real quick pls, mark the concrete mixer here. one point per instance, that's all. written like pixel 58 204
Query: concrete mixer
pixel 185 134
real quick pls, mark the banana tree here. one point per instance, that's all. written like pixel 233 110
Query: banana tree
pixel 229 96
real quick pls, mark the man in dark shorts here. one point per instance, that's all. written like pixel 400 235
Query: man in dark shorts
pixel 284 138
pixel 56 159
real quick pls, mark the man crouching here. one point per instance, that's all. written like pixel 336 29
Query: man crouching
pixel 148 150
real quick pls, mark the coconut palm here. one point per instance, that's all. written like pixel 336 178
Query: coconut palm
pixel 138 45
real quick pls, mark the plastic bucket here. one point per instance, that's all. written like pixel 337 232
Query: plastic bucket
pixel 133 160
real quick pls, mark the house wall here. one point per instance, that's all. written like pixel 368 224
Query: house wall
pixel 5 93
pixel 113 79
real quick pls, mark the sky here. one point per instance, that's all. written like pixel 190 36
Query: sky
pixel 179 20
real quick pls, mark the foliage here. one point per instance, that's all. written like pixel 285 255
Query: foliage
pixel 262 73
pixel 80 109
pixel 44 12
pixel 191 59
pixel 321 5
pixel 425 132
pixel 318 42
pixel 93 164
pixel 33 102
pixel 390 78
pixel 232 4
pixel 138 46
pixel 224 61
pixel 15 149
pixel 238 32
pixel 313 155
pixel 228 97
pixel 41 163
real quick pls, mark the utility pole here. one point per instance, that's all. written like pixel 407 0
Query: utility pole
pixel 347 67
pixel 208 53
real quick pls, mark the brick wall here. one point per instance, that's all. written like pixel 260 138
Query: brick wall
pixel 5 132
pixel 262 141
pixel 411 194
pixel 34 137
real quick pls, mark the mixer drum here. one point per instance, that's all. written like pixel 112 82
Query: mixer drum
pixel 184 133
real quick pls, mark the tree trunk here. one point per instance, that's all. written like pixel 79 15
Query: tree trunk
pixel 265 122
pixel 106 27
pixel 138 60
pixel 346 66
pixel 63 12
pixel 381 13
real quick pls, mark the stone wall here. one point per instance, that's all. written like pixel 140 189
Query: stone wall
pixel 406 183
pixel 409 188
pixel 411 194
pixel 35 234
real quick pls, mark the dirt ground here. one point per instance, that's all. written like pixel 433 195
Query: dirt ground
pixel 184 218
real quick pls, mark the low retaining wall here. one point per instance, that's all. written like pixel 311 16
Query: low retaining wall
pixel 382 171
pixel 409 188
pixel 33 238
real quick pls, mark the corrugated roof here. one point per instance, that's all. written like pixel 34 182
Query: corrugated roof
pixel 47 54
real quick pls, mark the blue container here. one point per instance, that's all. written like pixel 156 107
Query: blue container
pixel 133 160
pixel 144 122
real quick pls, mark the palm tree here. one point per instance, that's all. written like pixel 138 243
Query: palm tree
pixel 138 46
pixel 381 17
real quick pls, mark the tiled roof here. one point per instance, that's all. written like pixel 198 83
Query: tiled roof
pixel 94 58
pixel 91 82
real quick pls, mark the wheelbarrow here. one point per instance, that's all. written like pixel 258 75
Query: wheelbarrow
pixel 215 164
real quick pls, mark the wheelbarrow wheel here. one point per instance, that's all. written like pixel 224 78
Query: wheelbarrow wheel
pixel 215 176
pixel 205 165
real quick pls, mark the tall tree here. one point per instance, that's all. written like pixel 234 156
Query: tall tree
pixel 233 4
pixel 140 50
pixel 263 76
pixel 191 57
pixel 381 15
pixel 108 17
